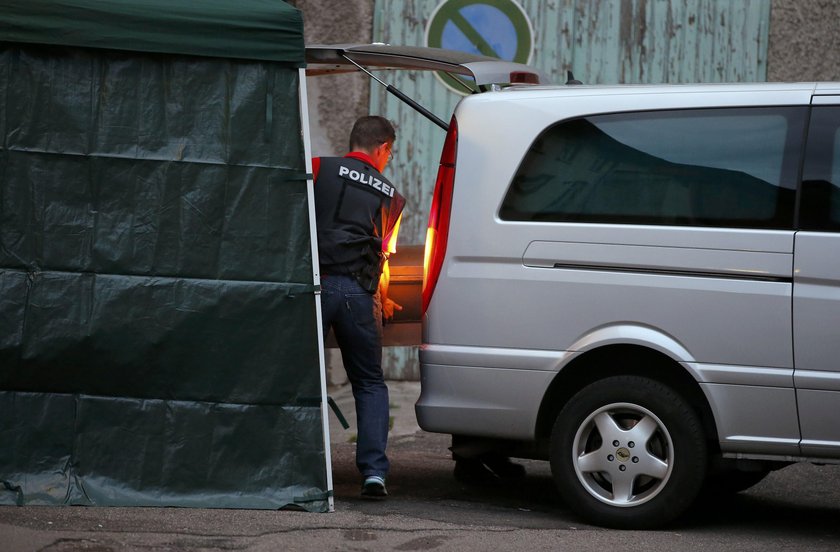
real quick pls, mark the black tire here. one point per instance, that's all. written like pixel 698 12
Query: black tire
pixel 655 449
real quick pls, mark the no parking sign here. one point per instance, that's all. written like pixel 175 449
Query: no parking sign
pixel 495 28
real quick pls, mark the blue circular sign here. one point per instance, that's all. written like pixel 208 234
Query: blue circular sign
pixel 493 28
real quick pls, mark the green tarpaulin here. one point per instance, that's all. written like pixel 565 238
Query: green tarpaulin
pixel 158 332
pixel 244 29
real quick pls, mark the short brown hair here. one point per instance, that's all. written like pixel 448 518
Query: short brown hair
pixel 371 131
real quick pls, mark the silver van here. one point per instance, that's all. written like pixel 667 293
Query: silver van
pixel 640 284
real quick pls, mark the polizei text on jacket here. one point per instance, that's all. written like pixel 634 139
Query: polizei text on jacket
pixel 363 178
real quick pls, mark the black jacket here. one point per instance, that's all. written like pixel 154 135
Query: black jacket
pixel 355 208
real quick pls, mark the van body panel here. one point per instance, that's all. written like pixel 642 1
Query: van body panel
pixel 750 312
pixel 721 239
pixel 816 316
pixel 827 88
pixel 502 385
pixel 742 375
pixel 672 260
pixel 554 308
pixel 495 357
pixel 819 432
pixel 816 302
pixel 816 284
pixel 745 424
pixel 486 402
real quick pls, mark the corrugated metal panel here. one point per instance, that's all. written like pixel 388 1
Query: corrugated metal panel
pixel 601 41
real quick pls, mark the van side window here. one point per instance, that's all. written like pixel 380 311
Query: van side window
pixel 706 167
pixel 820 204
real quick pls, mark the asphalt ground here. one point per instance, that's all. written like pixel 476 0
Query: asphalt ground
pixel 797 508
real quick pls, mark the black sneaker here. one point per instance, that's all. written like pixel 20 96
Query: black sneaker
pixel 374 487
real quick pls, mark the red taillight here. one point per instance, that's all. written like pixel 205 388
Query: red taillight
pixel 523 77
pixel 439 215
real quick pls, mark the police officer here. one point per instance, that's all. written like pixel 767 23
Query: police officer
pixel 358 212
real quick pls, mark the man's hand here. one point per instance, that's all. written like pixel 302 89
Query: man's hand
pixel 388 308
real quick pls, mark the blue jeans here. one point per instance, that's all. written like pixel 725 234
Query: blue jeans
pixel 349 310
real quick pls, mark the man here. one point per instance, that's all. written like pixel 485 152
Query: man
pixel 358 213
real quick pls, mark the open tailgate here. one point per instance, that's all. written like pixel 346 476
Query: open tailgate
pixel 333 58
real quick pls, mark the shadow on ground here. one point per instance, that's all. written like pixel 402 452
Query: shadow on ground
pixel 800 498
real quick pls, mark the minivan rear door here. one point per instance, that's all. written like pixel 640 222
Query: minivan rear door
pixel 816 287
pixel 477 73
pixel 483 71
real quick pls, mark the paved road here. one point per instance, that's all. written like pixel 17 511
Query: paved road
pixel 797 508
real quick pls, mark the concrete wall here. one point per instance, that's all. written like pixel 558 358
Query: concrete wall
pixel 804 43
pixel 336 101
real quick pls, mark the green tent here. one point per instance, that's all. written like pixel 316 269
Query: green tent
pixel 159 327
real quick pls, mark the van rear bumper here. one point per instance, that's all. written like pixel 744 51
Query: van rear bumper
pixel 480 401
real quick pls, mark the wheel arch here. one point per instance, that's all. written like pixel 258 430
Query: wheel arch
pixel 623 359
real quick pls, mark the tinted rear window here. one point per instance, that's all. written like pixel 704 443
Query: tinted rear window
pixel 722 167
pixel 820 208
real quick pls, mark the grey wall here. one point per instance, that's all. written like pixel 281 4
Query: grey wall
pixel 336 101
pixel 804 42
